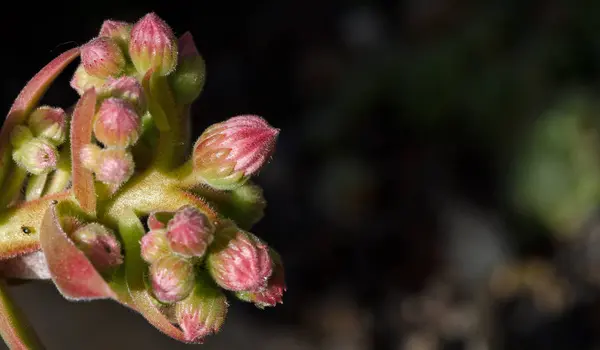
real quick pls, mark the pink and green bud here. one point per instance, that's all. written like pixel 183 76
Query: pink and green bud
pixel 239 261
pixel 114 166
pixel 125 88
pixel 118 31
pixel 158 220
pixel 37 156
pixel 154 245
pixel 20 135
pixel 203 312
pixel 49 123
pixel 89 156
pixel 189 232
pixel 172 278
pixel 188 80
pixel 228 153
pixel 83 81
pixel 102 57
pixel 100 245
pixel 153 46
pixel 273 293
pixel 117 124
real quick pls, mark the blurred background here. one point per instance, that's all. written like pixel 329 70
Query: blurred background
pixel 437 178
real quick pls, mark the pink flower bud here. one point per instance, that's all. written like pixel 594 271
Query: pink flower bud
pixel 154 246
pixel 203 312
pixel 158 220
pixel 153 46
pixel 19 135
pixel 189 232
pixel 238 260
pixel 102 57
pixel 118 31
pixel 172 278
pixel 114 166
pixel 117 124
pixel 49 123
pixel 89 155
pixel 83 81
pixel 273 293
pixel 37 156
pixel 125 88
pixel 100 245
pixel 227 153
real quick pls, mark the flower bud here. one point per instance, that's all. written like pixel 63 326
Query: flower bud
pixel 228 153
pixel 238 260
pixel 117 124
pixel 203 312
pixel 49 123
pixel 89 155
pixel 114 166
pixel 102 57
pixel 125 88
pixel 172 278
pixel 189 232
pixel 118 31
pixel 158 220
pixel 154 246
pixel 37 156
pixel 153 46
pixel 188 80
pixel 19 135
pixel 248 205
pixel 100 245
pixel 83 81
pixel 273 293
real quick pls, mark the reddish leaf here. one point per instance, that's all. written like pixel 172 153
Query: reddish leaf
pixel 81 135
pixel 28 99
pixel 30 266
pixel 72 272
pixel 131 231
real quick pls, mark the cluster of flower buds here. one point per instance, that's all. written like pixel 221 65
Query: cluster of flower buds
pixel 136 82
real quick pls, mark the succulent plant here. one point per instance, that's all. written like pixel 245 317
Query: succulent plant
pixel 75 194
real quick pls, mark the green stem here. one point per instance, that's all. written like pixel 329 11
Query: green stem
pixel 35 186
pixel 13 187
pixel 61 177
pixel 15 330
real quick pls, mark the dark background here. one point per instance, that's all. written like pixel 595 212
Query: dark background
pixel 391 195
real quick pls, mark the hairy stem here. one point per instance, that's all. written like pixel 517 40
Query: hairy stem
pixel 15 330
pixel 35 186
pixel 12 187
pixel 61 177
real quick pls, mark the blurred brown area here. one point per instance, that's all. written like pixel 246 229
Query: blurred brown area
pixel 436 181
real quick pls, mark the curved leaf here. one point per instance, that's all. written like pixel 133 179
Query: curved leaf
pixel 30 266
pixel 81 135
pixel 131 231
pixel 72 272
pixel 28 98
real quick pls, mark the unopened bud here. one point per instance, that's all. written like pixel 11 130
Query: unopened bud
pixel 83 81
pixel 153 46
pixel 248 205
pixel 49 123
pixel 273 293
pixel 189 232
pixel 239 261
pixel 37 156
pixel 188 80
pixel 158 220
pixel 114 166
pixel 203 312
pixel 125 88
pixel 154 245
pixel 118 31
pixel 100 245
pixel 19 135
pixel 117 124
pixel 172 278
pixel 228 153
pixel 102 57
